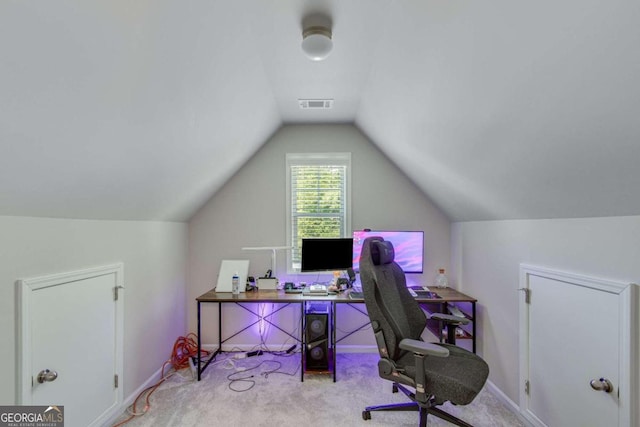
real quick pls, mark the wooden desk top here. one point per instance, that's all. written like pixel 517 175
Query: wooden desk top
pixel 450 294
pixel 446 294
pixel 261 296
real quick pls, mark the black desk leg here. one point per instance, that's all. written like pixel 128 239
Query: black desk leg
pixel 302 340
pixel 219 328
pixel 199 344
pixel 475 322
pixel 333 337
pixel 218 350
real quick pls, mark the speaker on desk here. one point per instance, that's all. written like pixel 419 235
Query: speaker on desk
pixel 317 340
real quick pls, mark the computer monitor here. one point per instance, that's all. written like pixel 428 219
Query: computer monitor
pixel 326 254
pixel 408 246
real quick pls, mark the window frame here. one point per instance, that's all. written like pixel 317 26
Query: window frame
pixel 312 159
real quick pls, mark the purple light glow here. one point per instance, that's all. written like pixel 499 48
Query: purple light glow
pixel 262 324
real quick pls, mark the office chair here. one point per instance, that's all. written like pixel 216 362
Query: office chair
pixel 437 372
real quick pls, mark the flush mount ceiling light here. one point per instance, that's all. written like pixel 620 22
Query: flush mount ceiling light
pixel 315 104
pixel 316 42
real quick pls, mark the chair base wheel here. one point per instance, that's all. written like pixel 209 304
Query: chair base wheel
pixel 366 415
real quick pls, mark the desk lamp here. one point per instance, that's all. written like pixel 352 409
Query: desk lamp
pixel 273 250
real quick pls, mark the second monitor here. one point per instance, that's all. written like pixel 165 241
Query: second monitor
pixel 408 246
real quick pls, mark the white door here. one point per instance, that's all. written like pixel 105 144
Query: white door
pixel 577 330
pixel 71 327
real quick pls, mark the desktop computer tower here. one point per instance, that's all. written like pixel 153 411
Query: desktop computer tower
pixel 317 341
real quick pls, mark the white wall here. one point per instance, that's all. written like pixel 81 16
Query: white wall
pixel 250 211
pixel 154 257
pixel 487 256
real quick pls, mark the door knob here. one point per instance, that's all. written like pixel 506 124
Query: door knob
pixel 46 376
pixel 602 384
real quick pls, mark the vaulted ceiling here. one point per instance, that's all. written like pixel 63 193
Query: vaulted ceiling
pixel 496 109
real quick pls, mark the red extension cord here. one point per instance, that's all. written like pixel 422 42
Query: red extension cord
pixel 183 349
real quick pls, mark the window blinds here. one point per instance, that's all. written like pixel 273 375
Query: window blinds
pixel 318 203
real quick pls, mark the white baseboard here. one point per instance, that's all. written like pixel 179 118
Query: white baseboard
pixel 248 347
pixel 286 346
pixel 357 349
pixel 154 378
pixel 510 404
pixel 209 347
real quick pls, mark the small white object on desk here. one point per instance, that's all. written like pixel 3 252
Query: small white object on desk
pixel 267 283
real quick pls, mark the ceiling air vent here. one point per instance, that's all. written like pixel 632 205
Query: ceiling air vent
pixel 315 104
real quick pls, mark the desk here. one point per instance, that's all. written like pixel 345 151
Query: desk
pixel 448 297
pixel 451 297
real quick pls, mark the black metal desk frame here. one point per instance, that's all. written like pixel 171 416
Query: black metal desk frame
pixel 285 300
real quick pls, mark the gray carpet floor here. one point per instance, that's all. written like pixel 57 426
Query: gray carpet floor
pixel 267 391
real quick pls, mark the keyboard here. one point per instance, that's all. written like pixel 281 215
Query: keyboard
pixel 426 294
pixel 317 289
pixel 414 293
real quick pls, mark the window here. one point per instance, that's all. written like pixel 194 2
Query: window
pixel 318 199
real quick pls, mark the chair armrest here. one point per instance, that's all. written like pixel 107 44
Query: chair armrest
pixel 449 318
pixel 423 348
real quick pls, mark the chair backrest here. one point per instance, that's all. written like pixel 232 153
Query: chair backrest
pixel 392 310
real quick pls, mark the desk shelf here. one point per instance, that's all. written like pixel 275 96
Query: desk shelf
pixel 318 336
pixel 310 371
pixel 464 303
